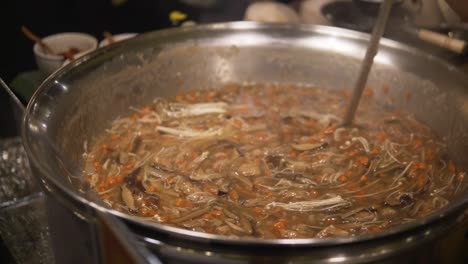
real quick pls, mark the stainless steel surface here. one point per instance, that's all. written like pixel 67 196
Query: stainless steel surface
pixel 377 33
pixel 78 102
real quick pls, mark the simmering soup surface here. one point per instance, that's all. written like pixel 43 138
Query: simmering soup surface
pixel 270 161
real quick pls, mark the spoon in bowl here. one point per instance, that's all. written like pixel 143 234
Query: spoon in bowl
pixel 68 54
pixel 38 40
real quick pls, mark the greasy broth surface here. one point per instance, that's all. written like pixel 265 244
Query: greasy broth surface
pixel 269 161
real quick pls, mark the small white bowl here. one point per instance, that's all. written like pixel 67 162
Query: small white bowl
pixel 59 43
pixel 117 38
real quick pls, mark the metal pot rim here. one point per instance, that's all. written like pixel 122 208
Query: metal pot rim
pixel 451 210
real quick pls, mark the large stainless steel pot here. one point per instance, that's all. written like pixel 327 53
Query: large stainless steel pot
pixel 79 101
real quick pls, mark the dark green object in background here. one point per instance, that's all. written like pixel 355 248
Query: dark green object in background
pixel 25 84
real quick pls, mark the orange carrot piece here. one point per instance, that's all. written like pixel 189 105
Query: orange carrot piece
pixel 417 142
pixel 329 130
pixel 452 167
pixel 207 216
pixel 119 178
pixel 343 178
pixel 363 178
pixel 130 165
pixel 461 176
pixel 233 195
pixel 179 98
pixel 381 136
pixel 258 210
pixel 146 109
pixel 281 224
pixel 111 180
pixel 368 92
pixel 216 213
pixel 170 179
pixel 97 165
pixel 179 202
pixel 210 188
pixel 311 123
pixel 363 160
pixel 238 123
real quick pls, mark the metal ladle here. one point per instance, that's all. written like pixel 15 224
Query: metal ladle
pixel 379 28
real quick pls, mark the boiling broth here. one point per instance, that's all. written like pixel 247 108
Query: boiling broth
pixel 271 161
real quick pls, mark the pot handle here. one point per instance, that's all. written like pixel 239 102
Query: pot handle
pixel 455 45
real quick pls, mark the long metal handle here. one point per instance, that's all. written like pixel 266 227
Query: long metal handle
pixel 379 28
pixel 13 96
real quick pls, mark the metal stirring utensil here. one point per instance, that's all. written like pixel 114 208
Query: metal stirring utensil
pixel 377 32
